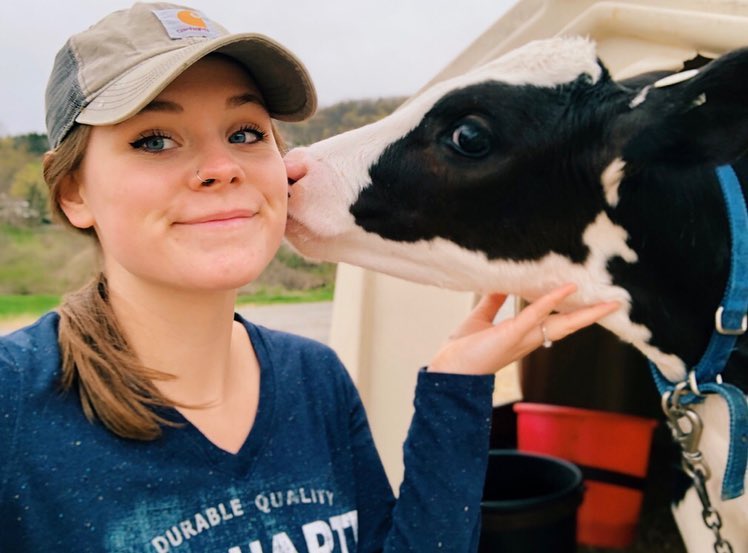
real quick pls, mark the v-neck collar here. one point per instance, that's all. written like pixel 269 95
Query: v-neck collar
pixel 241 462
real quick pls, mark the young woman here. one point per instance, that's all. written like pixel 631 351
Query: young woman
pixel 145 415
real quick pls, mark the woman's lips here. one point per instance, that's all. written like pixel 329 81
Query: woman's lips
pixel 219 218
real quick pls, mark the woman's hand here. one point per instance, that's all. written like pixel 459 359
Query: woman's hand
pixel 479 347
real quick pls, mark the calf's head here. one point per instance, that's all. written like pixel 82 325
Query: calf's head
pixel 517 176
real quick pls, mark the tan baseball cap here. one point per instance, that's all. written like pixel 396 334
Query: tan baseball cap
pixel 112 70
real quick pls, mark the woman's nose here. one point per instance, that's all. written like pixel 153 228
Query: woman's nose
pixel 216 167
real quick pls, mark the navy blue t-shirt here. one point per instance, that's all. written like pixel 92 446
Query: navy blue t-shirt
pixel 307 479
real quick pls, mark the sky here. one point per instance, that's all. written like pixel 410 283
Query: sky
pixel 353 48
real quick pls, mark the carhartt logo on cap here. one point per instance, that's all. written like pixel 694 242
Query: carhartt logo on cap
pixel 185 23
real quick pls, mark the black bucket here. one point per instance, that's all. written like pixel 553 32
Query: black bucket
pixel 529 504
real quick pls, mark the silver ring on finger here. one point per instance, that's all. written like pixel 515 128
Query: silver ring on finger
pixel 547 342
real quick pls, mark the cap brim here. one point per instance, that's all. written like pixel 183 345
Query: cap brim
pixel 283 80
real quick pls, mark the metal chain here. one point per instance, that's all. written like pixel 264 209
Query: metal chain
pixel 686 427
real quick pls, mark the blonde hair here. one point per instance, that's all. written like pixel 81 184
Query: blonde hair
pixel 114 387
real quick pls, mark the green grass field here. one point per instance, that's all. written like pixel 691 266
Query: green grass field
pixel 40 264
pixel 16 305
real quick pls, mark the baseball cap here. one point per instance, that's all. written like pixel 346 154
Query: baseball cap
pixel 112 70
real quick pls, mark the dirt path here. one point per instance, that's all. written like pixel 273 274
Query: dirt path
pixel 307 319
pixel 9 325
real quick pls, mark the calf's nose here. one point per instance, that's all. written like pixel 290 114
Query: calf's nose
pixel 297 164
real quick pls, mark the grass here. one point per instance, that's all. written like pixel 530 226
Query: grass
pixel 17 305
pixel 21 305
pixel 44 260
pixel 40 264
pixel 18 235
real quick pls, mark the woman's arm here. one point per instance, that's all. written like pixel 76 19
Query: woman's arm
pixel 445 456
pixel 446 451
pixel 9 398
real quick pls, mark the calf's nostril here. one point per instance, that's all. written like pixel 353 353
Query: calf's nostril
pixel 297 165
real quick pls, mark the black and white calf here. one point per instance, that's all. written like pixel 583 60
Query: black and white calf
pixel 538 169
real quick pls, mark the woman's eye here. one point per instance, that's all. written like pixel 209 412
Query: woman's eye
pixel 153 143
pixel 247 136
pixel 470 139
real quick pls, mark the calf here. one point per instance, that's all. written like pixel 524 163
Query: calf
pixel 538 169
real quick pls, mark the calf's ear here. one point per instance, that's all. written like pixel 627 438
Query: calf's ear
pixel 694 117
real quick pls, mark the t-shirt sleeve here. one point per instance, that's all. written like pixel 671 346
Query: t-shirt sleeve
pixel 374 497
pixel 9 398
pixel 445 456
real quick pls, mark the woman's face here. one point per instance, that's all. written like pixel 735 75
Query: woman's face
pixel 155 220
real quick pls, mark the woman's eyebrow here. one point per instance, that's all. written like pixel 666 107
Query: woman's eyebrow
pixel 246 98
pixel 232 102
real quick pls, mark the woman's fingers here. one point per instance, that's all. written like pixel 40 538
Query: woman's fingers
pixel 524 328
pixel 539 310
pixel 480 347
pixel 488 306
pixel 481 316
pixel 539 315
pixel 560 325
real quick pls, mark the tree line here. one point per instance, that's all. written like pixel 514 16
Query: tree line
pixel 23 193
pixel 338 118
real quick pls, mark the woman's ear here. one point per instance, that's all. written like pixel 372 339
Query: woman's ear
pixel 73 203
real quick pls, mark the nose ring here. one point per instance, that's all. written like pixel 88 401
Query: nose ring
pixel 202 180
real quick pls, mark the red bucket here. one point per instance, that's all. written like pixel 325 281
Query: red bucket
pixel 613 452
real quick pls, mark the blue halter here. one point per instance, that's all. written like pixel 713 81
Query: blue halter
pixel 730 322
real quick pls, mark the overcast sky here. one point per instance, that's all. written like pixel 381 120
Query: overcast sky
pixel 353 48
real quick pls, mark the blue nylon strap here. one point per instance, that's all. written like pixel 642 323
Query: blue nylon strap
pixel 663 384
pixel 735 299
pixel 737 452
pixel 733 311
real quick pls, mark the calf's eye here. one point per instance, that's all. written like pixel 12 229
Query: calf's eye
pixel 470 138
